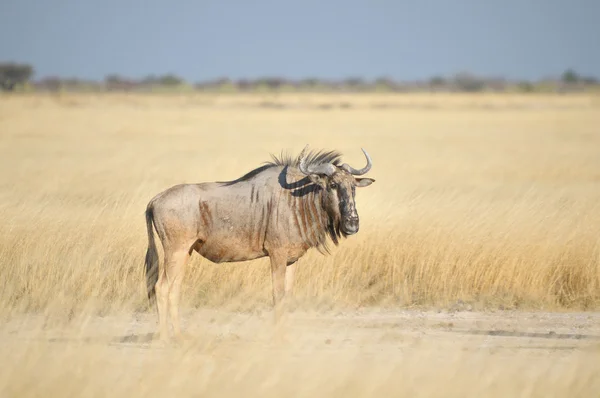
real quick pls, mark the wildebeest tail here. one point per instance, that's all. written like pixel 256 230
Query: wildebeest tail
pixel 151 258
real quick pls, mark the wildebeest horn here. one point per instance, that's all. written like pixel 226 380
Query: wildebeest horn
pixel 325 168
pixel 362 171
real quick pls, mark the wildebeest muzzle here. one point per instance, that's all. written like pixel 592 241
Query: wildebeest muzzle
pixel 350 225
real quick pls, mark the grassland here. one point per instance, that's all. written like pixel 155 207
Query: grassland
pixel 481 202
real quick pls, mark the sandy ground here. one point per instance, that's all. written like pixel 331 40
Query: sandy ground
pixel 375 328
pixel 229 349
pixel 385 334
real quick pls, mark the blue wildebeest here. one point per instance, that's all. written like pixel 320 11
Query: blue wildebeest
pixel 280 210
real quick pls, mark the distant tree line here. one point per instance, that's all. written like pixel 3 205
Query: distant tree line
pixel 15 76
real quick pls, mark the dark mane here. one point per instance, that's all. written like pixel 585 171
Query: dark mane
pixel 313 157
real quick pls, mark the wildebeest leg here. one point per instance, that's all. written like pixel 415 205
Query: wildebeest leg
pixel 162 291
pixel 278 278
pixel 171 272
pixel 289 279
pixel 175 271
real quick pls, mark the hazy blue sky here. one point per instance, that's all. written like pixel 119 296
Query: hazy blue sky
pixel 200 40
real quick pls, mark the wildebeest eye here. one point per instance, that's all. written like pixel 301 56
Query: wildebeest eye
pixel 332 185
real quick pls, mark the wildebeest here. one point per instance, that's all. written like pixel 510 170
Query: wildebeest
pixel 280 210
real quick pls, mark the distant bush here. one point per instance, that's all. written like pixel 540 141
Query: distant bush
pixel 354 83
pixel 437 81
pixel 385 84
pixel 51 83
pixel 170 80
pixel 468 82
pixel 13 75
pixel 570 76
pixel 589 80
pixel 118 83
pixel 525 87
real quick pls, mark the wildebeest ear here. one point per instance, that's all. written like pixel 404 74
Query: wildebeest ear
pixel 363 182
pixel 319 180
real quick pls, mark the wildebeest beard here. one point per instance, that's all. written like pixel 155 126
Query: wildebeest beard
pixel 308 191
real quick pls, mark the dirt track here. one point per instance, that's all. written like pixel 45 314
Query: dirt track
pixel 334 354
pixel 370 330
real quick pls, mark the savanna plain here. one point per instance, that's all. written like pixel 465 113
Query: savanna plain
pixel 476 271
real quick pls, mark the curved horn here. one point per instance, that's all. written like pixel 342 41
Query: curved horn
pixel 362 171
pixel 325 168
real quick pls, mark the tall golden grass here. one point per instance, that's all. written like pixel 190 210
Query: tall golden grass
pixel 497 207
pixel 481 202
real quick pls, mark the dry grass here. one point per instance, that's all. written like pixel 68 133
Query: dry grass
pixel 497 208
pixel 492 201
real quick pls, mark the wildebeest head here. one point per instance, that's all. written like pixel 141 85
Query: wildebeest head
pixel 339 186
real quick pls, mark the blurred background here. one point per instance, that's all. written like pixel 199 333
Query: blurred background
pixel 337 46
